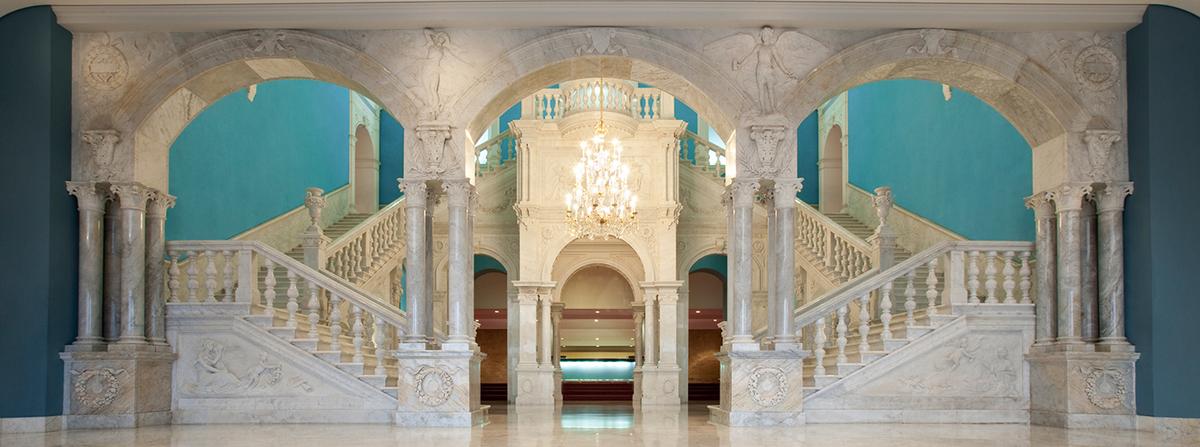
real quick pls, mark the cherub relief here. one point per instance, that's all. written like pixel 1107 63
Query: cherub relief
pixel 772 54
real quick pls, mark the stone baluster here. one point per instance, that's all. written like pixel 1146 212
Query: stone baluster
pixel 269 283
pixel 193 277
pixel 989 273
pixel 885 310
pixel 742 192
pixel 1025 282
pixel 1068 199
pixel 910 294
pixel 1046 246
pixel 132 237
pixel 461 279
pixel 973 278
pixel 931 285
pixel 247 282
pixel 841 333
pixel 210 277
pixel 313 239
pixel 293 294
pixel 173 275
pixel 357 328
pixel 335 322
pixel 91 201
pixel 864 323
pixel 1110 205
pixel 378 338
pixel 819 346
pixel 1009 283
pixel 227 274
pixel 314 309
pixel 415 193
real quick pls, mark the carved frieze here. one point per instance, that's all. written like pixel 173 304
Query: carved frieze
pixel 215 372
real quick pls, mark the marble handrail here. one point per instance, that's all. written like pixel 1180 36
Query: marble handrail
pixel 358 254
pixel 592 95
pixel 844 253
pixel 708 157
pixel 1006 279
pixel 491 161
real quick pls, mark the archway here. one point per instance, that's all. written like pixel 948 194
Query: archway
pixel 491 314
pixel 596 336
pixel 707 292
pixel 832 171
pixel 366 171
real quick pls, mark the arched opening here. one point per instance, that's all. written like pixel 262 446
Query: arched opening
pixel 491 314
pixel 706 295
pixel 596 336
pixel 366 171
pixel 832 172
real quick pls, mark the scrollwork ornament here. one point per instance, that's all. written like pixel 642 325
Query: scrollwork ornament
pixel 433 385
pixel 768 386
pixel 1097 68
pixel 1105 387
pixel 96 388
pixel 105 66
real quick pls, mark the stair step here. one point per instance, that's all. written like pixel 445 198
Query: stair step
pixel 825 380
pixel 307 344
pixel 393 391
pixel 892 345
pixel 844 369
pixel 284 332
pixel 352 368
pixel 377 381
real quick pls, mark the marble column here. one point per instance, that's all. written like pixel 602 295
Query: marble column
pixel 1087 259
pixel 546 330
pixel 132 237
pixel 91 201
pixel 156 241
pixel 649 327
pixel 1045 247
pixel 785 250
pixel 772 265
pixel 111 324
pixel 742 200
pixel 639 316
pixel 414 263
pixel 458 193
pixel 431 327
pixel 1110 230
pixel 556 348
pixel 1068 200
pixel 668 330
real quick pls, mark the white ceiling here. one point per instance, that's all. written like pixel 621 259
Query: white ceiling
pixel 183 15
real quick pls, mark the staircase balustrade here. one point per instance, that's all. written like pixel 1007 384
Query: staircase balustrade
pixel 844 254
pixel 699 153
pixel 495 154
pixel 594 95
pixel 824 323
pixel 361 252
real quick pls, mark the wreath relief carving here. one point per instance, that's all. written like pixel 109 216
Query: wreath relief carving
pixel 96 388
pixel 1105 387
pixel 433 385
pixel 768 386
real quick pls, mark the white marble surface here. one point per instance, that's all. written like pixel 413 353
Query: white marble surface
pixel 600 425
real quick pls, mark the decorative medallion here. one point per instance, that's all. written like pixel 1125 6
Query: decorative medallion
pixel 1105 388
pixel 96 388
pixel 1097 68
pixel 433 385
pixel 768 386
pixel 105 66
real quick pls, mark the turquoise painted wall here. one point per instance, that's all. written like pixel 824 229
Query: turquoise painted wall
pixel 485 263
pixel 807 151
pixel 241 163
pixel 597 370
pixel 391 157
pixel 38 276
pixel 958 163
pixel 1160 239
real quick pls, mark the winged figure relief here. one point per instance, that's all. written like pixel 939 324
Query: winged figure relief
pixel 769 60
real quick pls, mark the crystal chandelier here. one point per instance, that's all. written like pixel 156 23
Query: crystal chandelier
pixel 601 205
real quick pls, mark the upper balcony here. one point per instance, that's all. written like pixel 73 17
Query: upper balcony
pixel 594 95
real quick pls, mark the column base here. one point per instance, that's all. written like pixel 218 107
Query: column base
pixel 123 387
pixel 1074 389
pixel 535 386
pixel 763 388
pixel 439 389
pixel 659 386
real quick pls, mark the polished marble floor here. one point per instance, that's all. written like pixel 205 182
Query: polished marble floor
pixel 586 425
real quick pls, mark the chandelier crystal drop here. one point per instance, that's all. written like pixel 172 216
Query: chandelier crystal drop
pixel 601 205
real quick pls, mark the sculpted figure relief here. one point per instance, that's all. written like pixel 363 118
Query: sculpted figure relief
pixel 771 54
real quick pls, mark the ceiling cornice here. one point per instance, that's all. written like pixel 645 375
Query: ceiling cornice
pixel 179 15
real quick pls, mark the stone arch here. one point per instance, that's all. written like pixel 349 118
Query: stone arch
pixel 626 54
pixel 573 268
pixel 831 172
pixel 556 248
pixel 164 100
pixel 1037 104
pixel 366 171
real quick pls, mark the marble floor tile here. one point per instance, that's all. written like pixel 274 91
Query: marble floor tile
pixel 600 425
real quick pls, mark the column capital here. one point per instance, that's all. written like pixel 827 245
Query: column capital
pixel 89 195
pixel 459 192
pixel 415 192
pixel 1070 196
pixel 787 189
pixel 742 191
pixel 132 196
pixel 1111 196
pixel 1042 205
pixel 159 203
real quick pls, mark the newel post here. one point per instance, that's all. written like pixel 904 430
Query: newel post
pixel 313 240
pixel 884 238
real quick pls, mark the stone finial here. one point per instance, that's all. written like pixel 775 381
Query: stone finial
pixel 787 189
pixel 883 202
pixel 88 196
pixel 1111 196
pixel 102 144
pixel 314 200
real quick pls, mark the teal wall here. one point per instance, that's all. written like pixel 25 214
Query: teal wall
pixel 391 157
pixel 606 370
pixel 807 155
pixel 1161 241
pixel 485 263
pixel 241 163
pixel 38 274
pixel 958 163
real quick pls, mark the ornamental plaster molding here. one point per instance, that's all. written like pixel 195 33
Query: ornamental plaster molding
pixel 102 148
pixel 433 385
pixel 96 388
pixel 435 157
pixel 933 43
pixel 105 66
pixel 1106 388
pixel 1100 150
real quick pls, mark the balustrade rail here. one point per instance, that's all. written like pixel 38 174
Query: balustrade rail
pixel 845 254
pixel 362 251
pixel 496 153
pixel 827 322
pixel 593 95
pixel 700 153
pixel 227 272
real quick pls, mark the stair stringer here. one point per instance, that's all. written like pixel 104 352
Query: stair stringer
pixel 969 370
pixel 228 370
